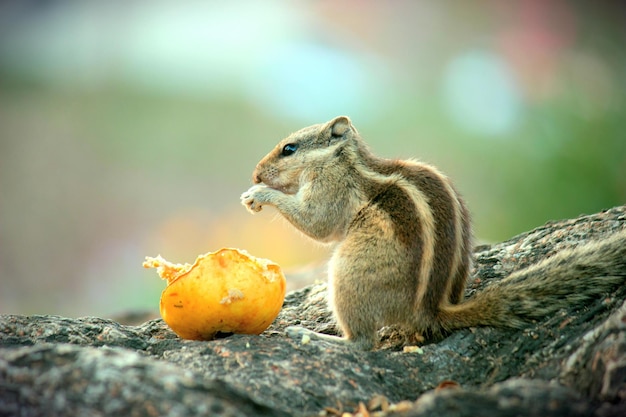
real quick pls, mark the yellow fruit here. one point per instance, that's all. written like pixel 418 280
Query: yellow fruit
pixel 224 291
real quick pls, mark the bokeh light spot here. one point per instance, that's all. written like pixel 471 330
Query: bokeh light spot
pixel 480 94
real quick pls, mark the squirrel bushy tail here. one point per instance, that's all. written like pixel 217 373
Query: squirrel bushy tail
pixel 569 278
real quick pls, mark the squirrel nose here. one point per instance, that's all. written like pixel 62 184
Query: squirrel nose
pixel 256 178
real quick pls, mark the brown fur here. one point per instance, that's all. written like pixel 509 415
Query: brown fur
pixel 404 241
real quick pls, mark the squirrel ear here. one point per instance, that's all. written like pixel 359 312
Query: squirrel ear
pixel 339 126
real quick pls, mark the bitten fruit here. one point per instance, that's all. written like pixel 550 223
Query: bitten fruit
pixel 226 291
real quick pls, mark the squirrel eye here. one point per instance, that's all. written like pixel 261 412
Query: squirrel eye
pixel 289 149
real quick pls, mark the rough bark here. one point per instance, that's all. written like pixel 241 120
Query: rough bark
pixel 573 363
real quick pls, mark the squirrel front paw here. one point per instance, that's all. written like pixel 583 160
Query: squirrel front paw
pixel 255 197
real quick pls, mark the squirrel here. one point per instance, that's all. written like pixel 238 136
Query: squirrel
pixel 404 242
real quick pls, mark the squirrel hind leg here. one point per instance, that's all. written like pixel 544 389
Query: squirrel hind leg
pixel 304 335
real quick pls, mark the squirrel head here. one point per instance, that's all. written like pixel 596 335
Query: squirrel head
pixel 304 152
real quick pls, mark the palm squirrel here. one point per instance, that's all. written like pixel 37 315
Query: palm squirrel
pixel 404 241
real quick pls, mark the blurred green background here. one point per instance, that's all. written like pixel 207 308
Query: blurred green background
pixel 130 128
